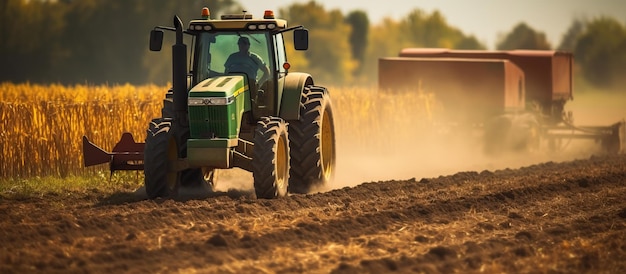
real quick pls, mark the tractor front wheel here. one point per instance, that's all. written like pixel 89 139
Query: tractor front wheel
pixel 270 161
pixel 161 150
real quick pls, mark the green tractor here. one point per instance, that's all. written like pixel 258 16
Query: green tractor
pixel 237 105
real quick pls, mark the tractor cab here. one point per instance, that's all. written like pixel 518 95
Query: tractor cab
pixel 217 51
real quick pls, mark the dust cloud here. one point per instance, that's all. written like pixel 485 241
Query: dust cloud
pixel 407 141
pixel 601 108
pixel 233 179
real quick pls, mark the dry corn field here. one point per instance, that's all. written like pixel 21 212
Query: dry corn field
pixel 41 126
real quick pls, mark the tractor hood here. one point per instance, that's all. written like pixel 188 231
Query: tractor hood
pixel 216 106
pixel 221 90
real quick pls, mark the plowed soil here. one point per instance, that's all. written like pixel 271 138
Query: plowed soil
pixel 555 217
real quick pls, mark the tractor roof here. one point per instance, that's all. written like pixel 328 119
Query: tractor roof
pixel 241 22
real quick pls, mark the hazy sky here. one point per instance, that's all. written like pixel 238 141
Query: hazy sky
pixel 485 19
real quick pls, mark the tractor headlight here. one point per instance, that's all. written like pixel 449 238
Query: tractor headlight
pixel 209 101
pixel 217 101
pixel 199 27
pixel 194 102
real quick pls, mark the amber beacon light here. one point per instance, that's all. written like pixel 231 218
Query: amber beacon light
pixel 269 14
pixel 205 13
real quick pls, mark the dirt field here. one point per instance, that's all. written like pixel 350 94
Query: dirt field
pixel 565 217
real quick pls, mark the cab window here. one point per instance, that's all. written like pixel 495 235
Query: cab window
pixel 213 49
pixel 280 54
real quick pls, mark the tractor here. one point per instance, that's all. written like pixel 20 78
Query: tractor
pixel 249 112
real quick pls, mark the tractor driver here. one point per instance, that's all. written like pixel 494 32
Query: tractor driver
pixel 247 62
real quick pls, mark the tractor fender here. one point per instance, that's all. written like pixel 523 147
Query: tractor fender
pixel 292 94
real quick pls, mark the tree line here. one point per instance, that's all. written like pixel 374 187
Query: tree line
pixel 89 41
pixel 106 41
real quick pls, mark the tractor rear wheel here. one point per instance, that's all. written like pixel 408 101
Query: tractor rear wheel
pixel 312 140
pixel 270 161
pixel 160 152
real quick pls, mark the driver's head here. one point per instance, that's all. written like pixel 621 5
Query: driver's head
pixel 244 44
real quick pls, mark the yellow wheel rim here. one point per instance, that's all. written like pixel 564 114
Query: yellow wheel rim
pixel 326 146
pixel 281 161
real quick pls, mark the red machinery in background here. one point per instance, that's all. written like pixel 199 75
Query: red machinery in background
pixel 492 89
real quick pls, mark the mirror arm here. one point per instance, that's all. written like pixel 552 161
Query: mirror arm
pixel 165 28
pixel 170 29
pixel 289 29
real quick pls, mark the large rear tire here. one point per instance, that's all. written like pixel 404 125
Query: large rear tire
pixel 270 161
pixel 159 152
pixel 312 140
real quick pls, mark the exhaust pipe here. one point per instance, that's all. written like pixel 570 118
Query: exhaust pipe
pixel 179 69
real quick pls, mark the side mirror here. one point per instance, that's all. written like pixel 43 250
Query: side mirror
pixel 301 39
pixel 156 40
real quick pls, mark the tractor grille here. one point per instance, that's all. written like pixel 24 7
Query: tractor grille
pixel 209 121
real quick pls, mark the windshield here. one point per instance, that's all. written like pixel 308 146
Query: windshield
pixel 214 49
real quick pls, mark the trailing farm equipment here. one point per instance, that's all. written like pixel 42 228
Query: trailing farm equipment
pixel 219 114
pixel 516 97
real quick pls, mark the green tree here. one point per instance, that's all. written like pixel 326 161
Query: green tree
pixel 158 65
pixel 358 38
pixel 524 37
pixel 469 42
pixel 29 31
pixel 601 51
pixel 385 40
pixel 118 51
pixel 329 57
pixel 433 31
pixel 94 41
pixel 101 48
pixel 571 36
pixel 436 32
pixel 417 29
